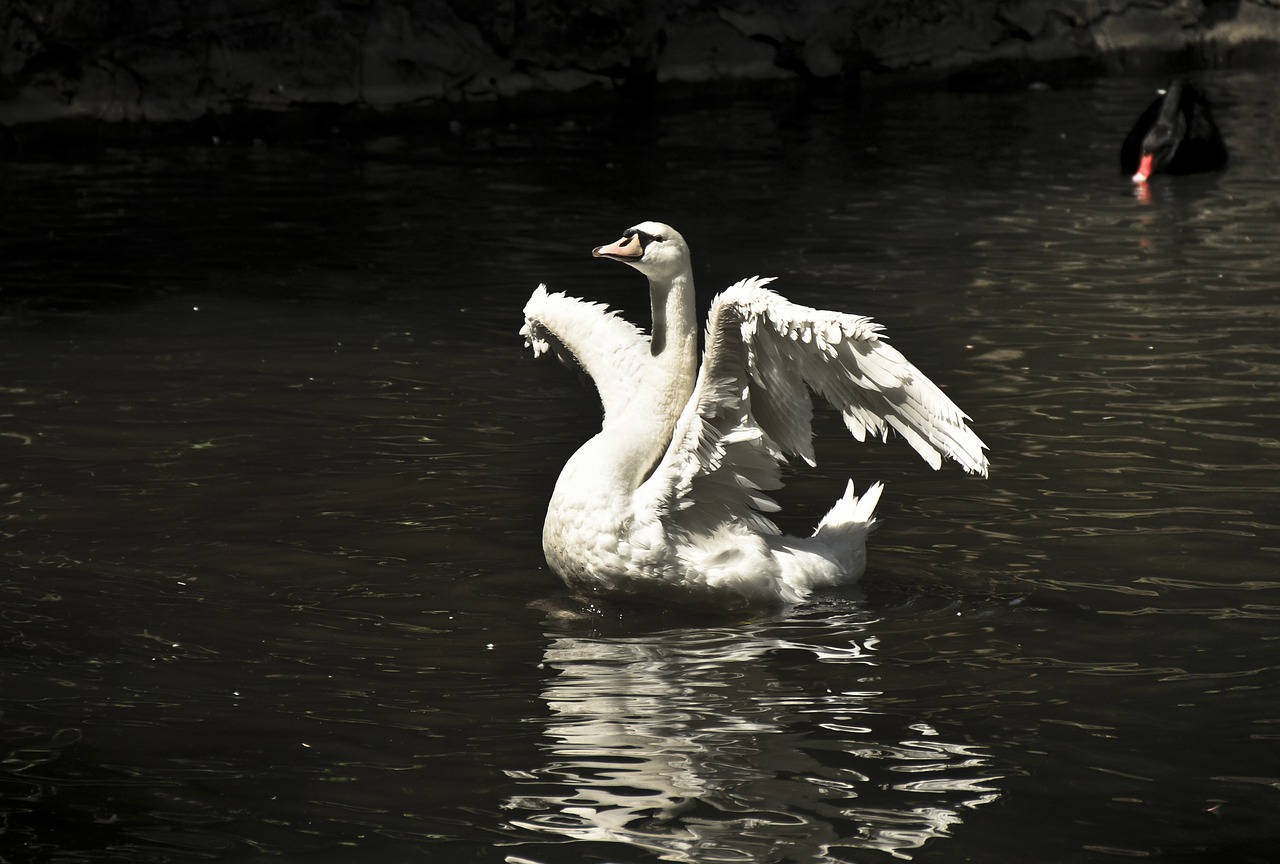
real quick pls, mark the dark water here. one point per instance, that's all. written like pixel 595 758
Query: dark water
pixel 274 463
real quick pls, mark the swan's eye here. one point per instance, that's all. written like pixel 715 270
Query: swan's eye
pixel 646 238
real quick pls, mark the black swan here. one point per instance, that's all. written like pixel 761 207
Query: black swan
pixel 1175 135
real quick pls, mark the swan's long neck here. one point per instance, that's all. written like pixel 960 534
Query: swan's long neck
pixel 636 439
pixel 674 343
pixel 674 327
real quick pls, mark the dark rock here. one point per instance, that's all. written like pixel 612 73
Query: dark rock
pixel 143 67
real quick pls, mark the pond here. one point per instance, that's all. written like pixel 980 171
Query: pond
pixel 275 463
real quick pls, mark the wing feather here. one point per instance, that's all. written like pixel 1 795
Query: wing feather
pixel 720 464
pixel 845 360
pixel 751 407
pixel 590 336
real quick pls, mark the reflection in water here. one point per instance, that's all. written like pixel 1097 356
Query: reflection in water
pixel 744 743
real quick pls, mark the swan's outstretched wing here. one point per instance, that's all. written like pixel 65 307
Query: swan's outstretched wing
pixel 751 406
pixel 610 350
pixel 844 359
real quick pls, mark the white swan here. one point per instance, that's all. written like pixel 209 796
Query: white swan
pixel 667 501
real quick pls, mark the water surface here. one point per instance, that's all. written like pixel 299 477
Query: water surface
pixel 276 459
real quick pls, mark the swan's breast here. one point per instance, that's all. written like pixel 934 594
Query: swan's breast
pixel 588 518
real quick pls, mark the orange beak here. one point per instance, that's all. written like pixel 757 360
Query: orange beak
pixel 624 249
pixel 1144 169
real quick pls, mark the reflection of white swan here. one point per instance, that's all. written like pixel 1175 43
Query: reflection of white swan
pixel 670 497
pixel 730 745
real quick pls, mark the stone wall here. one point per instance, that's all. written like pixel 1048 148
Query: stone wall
pixel 154 64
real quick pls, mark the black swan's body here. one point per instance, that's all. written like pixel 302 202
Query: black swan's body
pixel 1175 135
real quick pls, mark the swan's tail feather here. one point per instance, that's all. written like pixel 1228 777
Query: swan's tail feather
pixel 851 511
pixel 845 527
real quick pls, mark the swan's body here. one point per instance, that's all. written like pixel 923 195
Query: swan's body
pixel 668 500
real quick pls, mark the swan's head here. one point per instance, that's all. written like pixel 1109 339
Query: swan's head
pixel 656 250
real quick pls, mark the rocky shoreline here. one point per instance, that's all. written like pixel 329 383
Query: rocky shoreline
pixel 75 70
